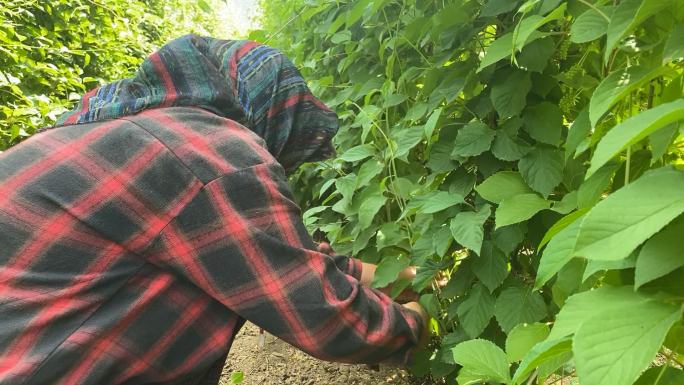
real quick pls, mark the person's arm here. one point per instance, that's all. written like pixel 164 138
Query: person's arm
pixel 243 242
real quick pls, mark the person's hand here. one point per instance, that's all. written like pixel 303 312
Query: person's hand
pixel 425 332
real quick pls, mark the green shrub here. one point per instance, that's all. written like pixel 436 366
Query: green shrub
pixel 530 151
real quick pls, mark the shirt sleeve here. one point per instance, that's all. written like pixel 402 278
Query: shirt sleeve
pixel 243 242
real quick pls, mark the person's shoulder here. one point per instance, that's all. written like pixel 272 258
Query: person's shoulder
pixel 207 143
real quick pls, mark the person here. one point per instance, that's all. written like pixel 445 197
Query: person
pixel 139 233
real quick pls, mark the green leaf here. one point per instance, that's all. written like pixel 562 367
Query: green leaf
pixel 476 310
pixel 674 46
pixel 473 139
pixel 645 206
pixel 660 255
pixel 416 112
pixel 661 140
pixel 523 338
pixel 431 123
pixel 582 306
pixel 519 208
pixel 627 16
pixel 467 227
pixel 633 130
pixel 237 377
pixel 567 204
pixel 388 270
pixel 529 25
pixel 617 86
pixel 438 201
pixel 502 48
pixel 591 25
pixel 497 7
pixel 579 130
pixel 591 190
pixel 544 122
pixel 543 352
pixel 508 238
pixel 204 6
pixel 516 305
pixel 369 202
pixel 594 266
pixel 482 359
pixel 358 153
pixel 491 267
pixel 407 139
pixel 393 99
pixel 542 169
pixel 341 37
pixel 502 185
pixel 560 225
pixel 615 346
pixel 507 146
pixel 510 94
pixel 368 170
pixel 661 376
pixel 535 56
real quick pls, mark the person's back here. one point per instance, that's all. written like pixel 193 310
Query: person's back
pixel 81 211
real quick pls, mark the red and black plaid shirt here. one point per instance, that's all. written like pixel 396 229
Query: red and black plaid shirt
pixel 131 251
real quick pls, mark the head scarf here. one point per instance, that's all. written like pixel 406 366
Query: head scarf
pixel 250 83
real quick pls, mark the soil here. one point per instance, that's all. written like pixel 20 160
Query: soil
pixel 277 363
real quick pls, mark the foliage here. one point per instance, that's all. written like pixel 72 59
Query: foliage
pixel 51 52
pixel 531 151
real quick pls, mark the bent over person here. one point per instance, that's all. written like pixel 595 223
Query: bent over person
pixel 138 235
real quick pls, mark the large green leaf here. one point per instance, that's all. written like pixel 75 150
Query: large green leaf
pixel 615 346
pixel 483 360
pixel 467 227
pixel 579 130
pixel 519 208
pixel 633 130
pixel 509 147
pixel 627 16
pixel 661 254
pixel 358 153
pixel 591 25
pixel 544 122
pixel 582 306
pixel 496 7
pixel 542 169
pixel 473 139
pixel 543 352
pixel 674 47
pixel 406 140
pixel 529 25
pixel 476 310
pixel 558 252
pixel 438 201
pixel 516 305
pixel 617 86
pixel 659 375
pixel 523 338
pixel 591 190
pixel 502 185
pixel 631 215
pixel 491 266
pixel 510 94
pixel 388 269
pixel 372 200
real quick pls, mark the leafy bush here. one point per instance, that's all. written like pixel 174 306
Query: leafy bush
pixel 532 152
pixel 51 52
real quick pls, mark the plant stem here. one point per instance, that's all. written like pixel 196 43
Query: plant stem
pixel 592 6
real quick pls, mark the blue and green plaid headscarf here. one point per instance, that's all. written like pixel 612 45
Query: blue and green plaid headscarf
pixel 250 83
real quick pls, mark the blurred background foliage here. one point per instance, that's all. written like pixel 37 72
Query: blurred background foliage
pixel 51 52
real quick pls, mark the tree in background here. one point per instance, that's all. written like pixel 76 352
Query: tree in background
pixel 51 52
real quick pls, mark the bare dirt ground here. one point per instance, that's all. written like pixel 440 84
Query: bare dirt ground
pixel 278 363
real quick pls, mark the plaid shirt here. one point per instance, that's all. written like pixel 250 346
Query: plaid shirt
pixel 132 250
